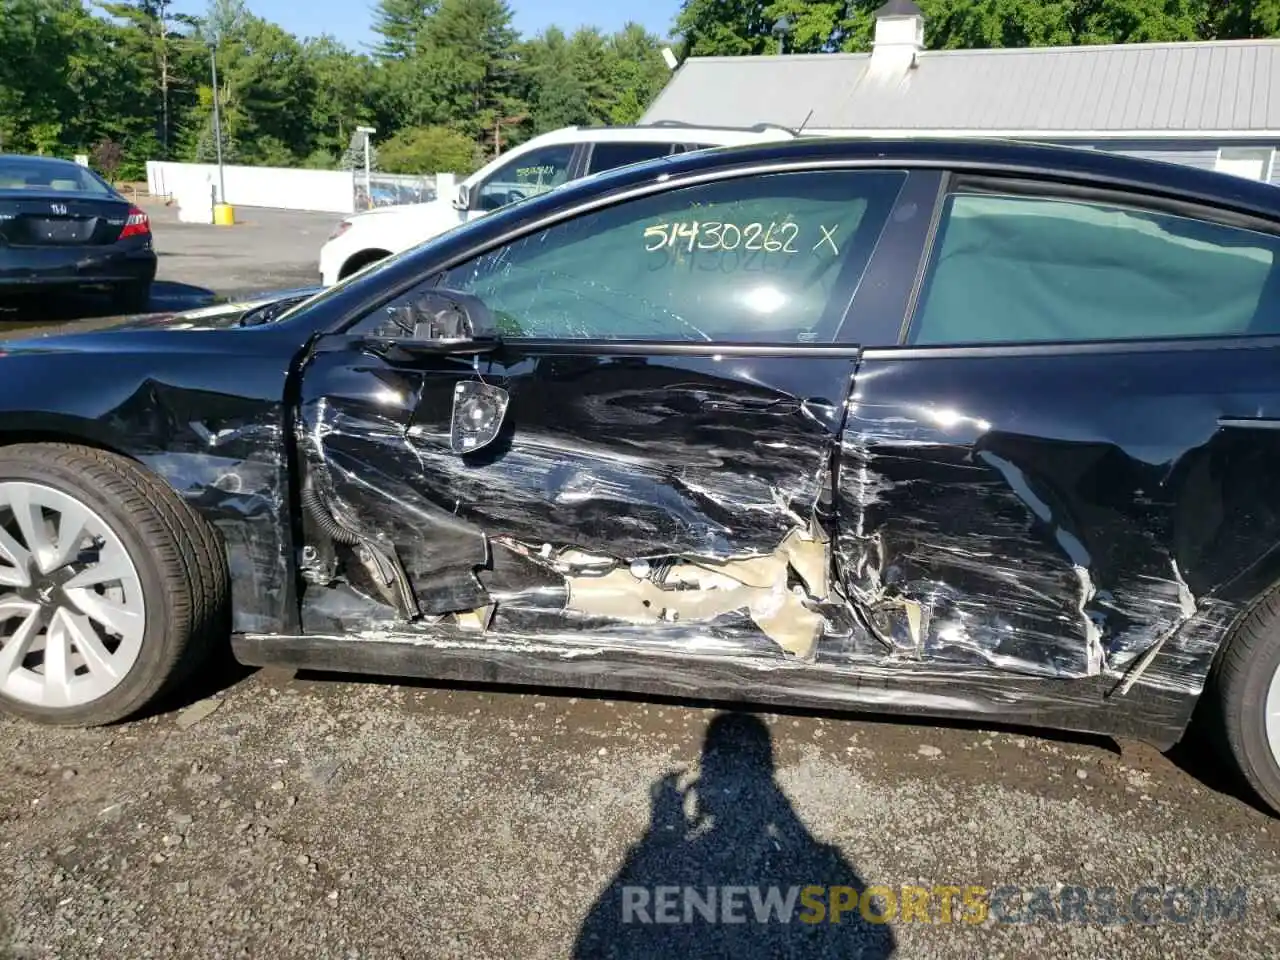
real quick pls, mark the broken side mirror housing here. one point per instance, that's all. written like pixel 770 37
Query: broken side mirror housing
pixel 446 321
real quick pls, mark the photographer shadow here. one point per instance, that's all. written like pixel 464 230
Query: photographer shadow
pixel 745 834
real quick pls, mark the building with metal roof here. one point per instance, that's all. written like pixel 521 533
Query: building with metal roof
pixel 1214 105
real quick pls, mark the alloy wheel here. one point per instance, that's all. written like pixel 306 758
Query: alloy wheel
pixel 72 614
pixel 1272 715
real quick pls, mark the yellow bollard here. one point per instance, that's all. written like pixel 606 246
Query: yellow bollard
pixel 224 214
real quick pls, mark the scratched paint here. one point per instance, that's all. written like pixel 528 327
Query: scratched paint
pixel 1046 530
pixel 959 551
pixel 1059 539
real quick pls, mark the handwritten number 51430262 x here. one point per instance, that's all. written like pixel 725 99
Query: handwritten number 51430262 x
pixel 773 237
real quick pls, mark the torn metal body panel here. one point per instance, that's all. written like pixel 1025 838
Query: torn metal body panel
pixel 1056 534
pixel 227 455
pixel 653 490
pixel 928 557
pixel 1088 514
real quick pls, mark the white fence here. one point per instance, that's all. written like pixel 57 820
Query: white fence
pixel 331 191
pixel 194 186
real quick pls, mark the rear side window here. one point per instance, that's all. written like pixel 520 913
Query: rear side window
pixel 1027 270
pixel 607 156
pixel 770 258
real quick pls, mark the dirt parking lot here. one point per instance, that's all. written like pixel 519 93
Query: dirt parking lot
pixel 267 814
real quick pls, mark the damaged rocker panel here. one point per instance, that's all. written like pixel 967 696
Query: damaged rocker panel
pixel 678 506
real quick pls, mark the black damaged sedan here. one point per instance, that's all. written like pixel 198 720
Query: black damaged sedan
pixel 63 228
pixel 954 429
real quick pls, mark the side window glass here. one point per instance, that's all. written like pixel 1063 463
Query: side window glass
pixel 1027 270
pixel 525 176
pixel 608 156
pixel 770 258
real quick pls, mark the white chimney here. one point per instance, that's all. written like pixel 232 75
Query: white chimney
pixel 899 37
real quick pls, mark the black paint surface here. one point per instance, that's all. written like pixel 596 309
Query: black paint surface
pixel 1061 536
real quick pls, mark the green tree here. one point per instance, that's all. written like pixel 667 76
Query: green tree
pixel 452 72
pixel 341 101
pixel 638 73
pixel 266 94
pixel 1239 19
pixel 470 47
pixel 737 27
pixel 723 28
pixel 63 85
pixel 428 150
pixel 152 39
pixel 556 94
pixel 590 78
pixel 399 22
pixel 816 26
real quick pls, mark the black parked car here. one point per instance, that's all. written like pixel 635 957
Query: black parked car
pixel 62 227
pixel 943 428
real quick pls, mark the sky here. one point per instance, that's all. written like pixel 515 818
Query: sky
pixel 350 22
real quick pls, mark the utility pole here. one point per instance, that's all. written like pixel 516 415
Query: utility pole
pixel 780 30
pixel 162 19
pixel 368 162
pixel 217 121
pixel 498 121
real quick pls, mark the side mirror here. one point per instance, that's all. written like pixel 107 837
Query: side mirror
pixel 462 199
pixel 478 412
pixel 446 321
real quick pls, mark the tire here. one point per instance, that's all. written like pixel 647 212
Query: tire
pixel 170 601
pixel 1249 675
pixel 133 297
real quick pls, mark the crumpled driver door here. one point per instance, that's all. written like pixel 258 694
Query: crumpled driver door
pixel 630 495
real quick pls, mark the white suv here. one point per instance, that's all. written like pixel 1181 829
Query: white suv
pixel 542 164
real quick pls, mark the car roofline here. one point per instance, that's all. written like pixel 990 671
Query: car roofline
pixel 52 161
pixel 1010 159
pixel 676 132
pixel 975 154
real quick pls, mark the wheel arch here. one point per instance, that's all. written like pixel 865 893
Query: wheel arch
pixel 63 429
pixel 59 428
pixel 361 259
pixel 1262 583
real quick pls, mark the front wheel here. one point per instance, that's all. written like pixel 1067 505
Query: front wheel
pixel 111 587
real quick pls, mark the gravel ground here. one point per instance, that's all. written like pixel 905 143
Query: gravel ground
pixel 317 817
